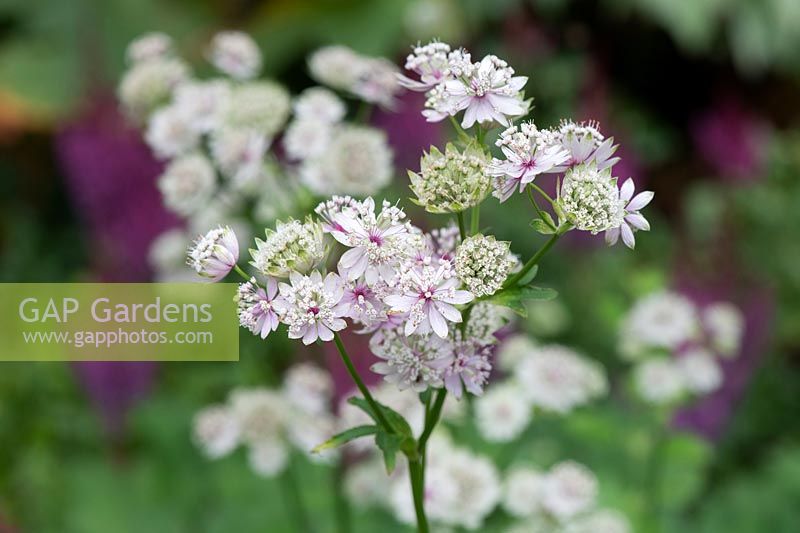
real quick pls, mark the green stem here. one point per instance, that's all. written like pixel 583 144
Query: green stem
pixel 432 420
pixel 342 506
pixel 481 134
pixel 417 474
pixel 510 282
pixel 544 194
pixel 655 463
pixel 539 212
pixel 461 133
pixel 351 369
pixel 462 228
pixel 363 113
pixel 242 273
pixel 475 220
pixel 294 502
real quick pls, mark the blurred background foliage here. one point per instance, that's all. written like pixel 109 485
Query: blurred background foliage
pixel 703 96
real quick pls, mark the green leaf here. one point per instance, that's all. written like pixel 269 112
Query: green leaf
pixel 395 419
pixel 345 436
pixel 389 444
pixel 515 297
pixel 541 226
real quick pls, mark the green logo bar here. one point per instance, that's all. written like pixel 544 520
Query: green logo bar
pixel 118 322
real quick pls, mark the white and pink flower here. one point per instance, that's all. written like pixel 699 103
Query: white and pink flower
pixel 632 220
pixel 309 306
pixel 256 307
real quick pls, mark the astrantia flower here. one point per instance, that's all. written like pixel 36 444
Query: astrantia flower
pixel 357 161
pixel 409 362
pixel 659 381
pixel 306 138
pixel 482 264
pixel 235 53
pixel 430 63
pixel 701 372
pixel 261 414
pixel 724 324
pixel 485 320
pixel 293 246
pixel 632 220
pixel 149 46
pixel 584 143
pixel 570 489
pixel 187 184
pixel 309 388
pixel 371 79
pixel 260 106
pixel 428 294
pixel 452 181
pixel 216 431
pixel 523 492
pixel 255 307
pixel 215 254
pixel 487 92
pixel 149 84
pixel 557 379
pixel 361 303
pixel 201 102
pixel 468 367
pixel 309 306
pixel 590 199
pixel 377 241
pixel 238 153
pixel 659 320
pixel 526 158
pixel 268 457
pixel 500 414
pixel 319 104
pixel 170 133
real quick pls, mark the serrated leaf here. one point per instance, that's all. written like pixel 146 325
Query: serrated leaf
pixel 345 436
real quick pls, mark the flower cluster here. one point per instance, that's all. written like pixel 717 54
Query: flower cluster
pixel 487 91
pixel 551 378
pixel 564 498
pixel 370 79
pixel 270 421
pixel 676 345
pixel 216 135
pixel 483 263
pixel 452 181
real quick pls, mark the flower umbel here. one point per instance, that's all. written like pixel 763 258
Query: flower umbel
pixel 482 264
pixel 308 305
pixel 452 181
pixel 293 247
pixel 214 255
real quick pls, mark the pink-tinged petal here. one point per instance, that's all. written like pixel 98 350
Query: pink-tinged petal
pixel 400 302
pixel 336 324
pixel 640 200
pixel 438 323
pixel 612 235
pixel 325 334
pixel 272 288
pixel 517 82
pixel 627 236
pixel 310 335
pixel 412 85
pixel 453 384
pixel 410 328
pixel 470 116
pixel 351 257
pixel 626 191
pixel 449 312
pixel 507 105
pixel 638 221
pixel 459 297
